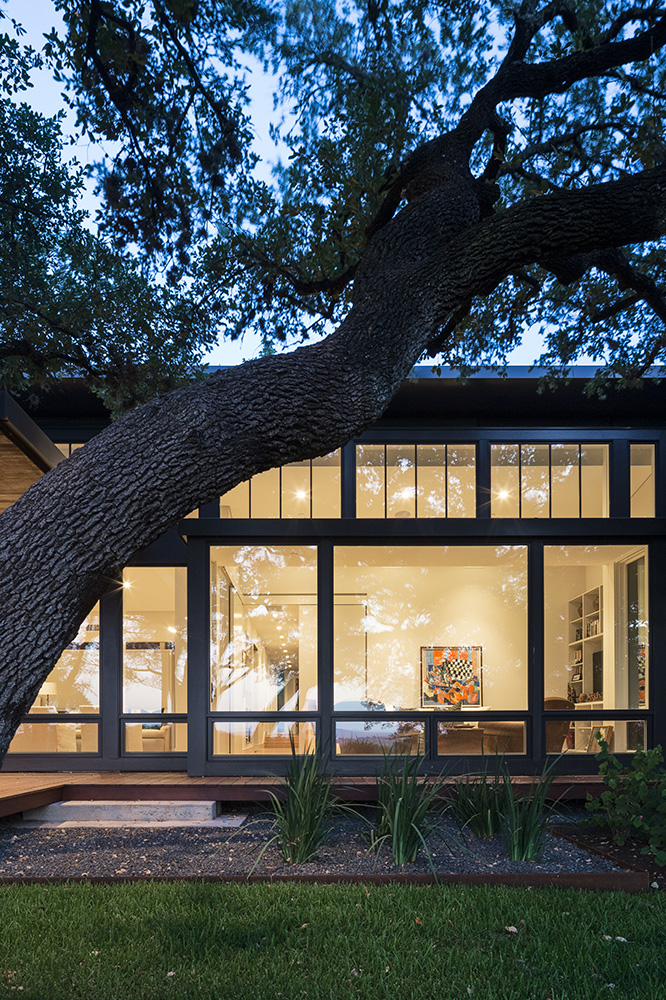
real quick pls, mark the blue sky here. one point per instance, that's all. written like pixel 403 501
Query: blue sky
pixel 38 17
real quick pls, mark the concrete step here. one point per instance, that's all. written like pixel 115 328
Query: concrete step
pixel 134 812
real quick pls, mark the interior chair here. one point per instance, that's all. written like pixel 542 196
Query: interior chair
pixel 557 729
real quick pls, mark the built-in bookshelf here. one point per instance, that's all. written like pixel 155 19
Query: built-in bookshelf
pixel 586 663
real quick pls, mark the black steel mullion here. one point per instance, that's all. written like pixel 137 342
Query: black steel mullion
pixel 111 671
pixel 535 646
pixel 325 641
pixel 198 654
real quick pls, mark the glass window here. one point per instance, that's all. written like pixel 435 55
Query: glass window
pixel 264 738
pixel 370 480
pixel 263 628
pixel 55 737
pixel 375 739
pixel 73 684
pixel 596 630
pixel 415 480
pixel 549 480
pixel 642 480
pixel 430 627
pixel 265 494
pixel 155 639
pixel 577 735
pixel 326 485
pixel 299 489
pixel 155 737
pixel 470 739
pixel 236 503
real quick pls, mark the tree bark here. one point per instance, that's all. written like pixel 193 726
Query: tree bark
pixel 65 541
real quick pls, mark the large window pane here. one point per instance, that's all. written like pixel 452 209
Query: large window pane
pixel 594 480
pixel 55 737
pixel 155 639
pixel 596 630
pixel 401 480
pixel 556 480
pixel 471 739
pixel 265 739
pixel 370 480
pixel 375 739
pixel 565 480
pixel 642 480
pixel 430 627
pixel 505 480
pixel 461 480
pixel 431 490
pixel 155 737
pixel 263 628
pixel 265 494
pixel 578 735
pixel 299 489
pixel 73 684
pixel 326 485
pixel 535 480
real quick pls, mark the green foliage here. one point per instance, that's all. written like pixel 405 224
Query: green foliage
pixel 478 800
pixel 405 802
pixel 634 804
pixel 304 806
pixel 229 245
pixel 69 304
pixel 525 812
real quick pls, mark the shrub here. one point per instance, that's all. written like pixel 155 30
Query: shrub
pixel 404 800
pixel 525 825
pixel 479 800
pixel 303 807
pixel 634 804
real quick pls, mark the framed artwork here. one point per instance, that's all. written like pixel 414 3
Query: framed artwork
pixel 451 676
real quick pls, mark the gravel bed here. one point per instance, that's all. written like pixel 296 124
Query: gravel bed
pixel 78 852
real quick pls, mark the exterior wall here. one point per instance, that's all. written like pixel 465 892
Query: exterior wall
pixel 444 416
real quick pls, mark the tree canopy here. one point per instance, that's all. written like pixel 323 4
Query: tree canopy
pixel 369 98
pixel 453 172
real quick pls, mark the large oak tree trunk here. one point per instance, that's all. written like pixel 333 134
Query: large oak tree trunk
pixel 66 540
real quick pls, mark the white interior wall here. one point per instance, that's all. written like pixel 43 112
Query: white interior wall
pixel 410 607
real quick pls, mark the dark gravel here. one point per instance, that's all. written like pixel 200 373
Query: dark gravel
pixel 192 851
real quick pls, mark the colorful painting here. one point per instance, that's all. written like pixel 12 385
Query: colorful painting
pixel 451 676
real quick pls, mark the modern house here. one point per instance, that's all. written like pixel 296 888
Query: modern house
pixel 484 570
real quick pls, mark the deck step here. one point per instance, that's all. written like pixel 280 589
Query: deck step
pixel 131 812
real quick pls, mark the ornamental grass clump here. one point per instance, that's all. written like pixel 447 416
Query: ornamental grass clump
pixel 303 807
pixel 405 801
pixel 478 800
pixel 525 815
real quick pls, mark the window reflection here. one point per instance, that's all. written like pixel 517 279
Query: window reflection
pixel 410 480
pixel 155 639
pixel 263 628
pixel 265 739
pixel 73 684
pixel 549 480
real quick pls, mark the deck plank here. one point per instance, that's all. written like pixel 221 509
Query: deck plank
pixel 19 791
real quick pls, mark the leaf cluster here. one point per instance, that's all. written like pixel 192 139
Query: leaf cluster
pixel 70 304
pixel 634 803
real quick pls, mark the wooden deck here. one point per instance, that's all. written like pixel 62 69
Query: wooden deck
pixel 20 791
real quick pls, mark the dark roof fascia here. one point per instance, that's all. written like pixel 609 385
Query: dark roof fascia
pixel 26 435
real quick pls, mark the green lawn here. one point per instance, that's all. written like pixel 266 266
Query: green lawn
pixel 186 940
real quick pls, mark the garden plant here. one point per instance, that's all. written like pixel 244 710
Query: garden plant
pixel 634 803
